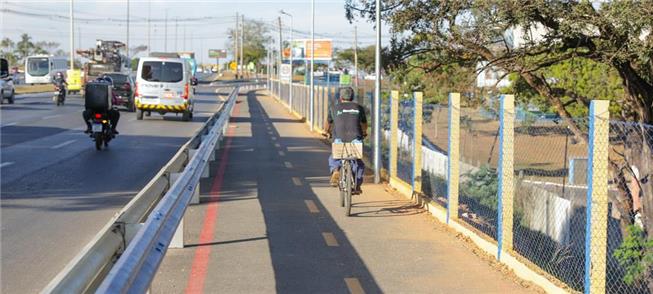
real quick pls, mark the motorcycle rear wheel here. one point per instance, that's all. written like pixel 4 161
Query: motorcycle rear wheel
pixel 98 141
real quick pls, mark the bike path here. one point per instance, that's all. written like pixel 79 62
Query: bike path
pixel 269 222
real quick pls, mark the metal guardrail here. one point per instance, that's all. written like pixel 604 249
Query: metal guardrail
pixel 124 256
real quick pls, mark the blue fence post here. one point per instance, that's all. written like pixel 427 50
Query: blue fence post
pixel 596 225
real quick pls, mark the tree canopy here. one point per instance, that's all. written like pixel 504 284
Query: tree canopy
pixel 255 40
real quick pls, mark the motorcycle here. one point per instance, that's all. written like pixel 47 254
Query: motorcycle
pixel 101 130
pixel 59 94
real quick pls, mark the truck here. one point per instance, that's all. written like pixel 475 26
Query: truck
pixel 107 56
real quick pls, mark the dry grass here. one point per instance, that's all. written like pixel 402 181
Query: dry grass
pixel 28 89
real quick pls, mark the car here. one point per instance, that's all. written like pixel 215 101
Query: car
pixel 7 90
pixel 163 85
pixel 123 86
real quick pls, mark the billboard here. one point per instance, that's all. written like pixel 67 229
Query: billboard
pixel 301 49
pixel 217 53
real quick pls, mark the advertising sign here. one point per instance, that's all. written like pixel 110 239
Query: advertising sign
pixel 301 49
pixel 217 53
pixel 285 72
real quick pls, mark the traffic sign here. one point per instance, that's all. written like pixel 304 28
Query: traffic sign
pixel 232 65
pixel 285 72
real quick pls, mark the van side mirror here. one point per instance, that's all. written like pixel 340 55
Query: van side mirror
pixel 193 81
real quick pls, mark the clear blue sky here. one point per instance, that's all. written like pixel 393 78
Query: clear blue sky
pixel 106 21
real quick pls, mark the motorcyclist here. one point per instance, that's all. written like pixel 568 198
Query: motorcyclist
pixel 60 82
pixel 113 114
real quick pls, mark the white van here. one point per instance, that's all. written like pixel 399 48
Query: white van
pixel 164 85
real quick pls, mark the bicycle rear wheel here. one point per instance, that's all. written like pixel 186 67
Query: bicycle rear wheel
pixel 348 187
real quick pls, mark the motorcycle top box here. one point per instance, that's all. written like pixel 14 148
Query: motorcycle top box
pixel 97 96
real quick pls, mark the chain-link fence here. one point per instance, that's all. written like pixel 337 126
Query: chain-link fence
pixel 479 154
pixel 435 148
pixel 629 256
pixel 550 164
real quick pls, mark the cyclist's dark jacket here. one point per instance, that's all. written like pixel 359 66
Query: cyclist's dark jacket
pixel 348 117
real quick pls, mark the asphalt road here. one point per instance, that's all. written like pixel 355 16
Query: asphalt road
pixel 57 191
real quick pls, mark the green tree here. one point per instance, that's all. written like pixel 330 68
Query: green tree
pixel 24 47
pixel 366 58
pixel 255 38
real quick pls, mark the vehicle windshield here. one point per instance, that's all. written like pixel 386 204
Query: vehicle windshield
pixel 38 67
pixel 161 71
pixel 118 78
pixel 98 69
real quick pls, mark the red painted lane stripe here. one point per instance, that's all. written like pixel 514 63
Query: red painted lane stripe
pixel 202 253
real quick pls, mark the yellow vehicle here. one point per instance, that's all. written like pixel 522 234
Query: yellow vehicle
pixel 74 80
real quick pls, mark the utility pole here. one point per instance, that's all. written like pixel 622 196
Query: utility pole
pixel 291 61
pixel 356 58
pixel 377 98
pixel 236 45
pixel 149 4
pixel 165 42
pixel 127 42
pixel 242 44
pixel 183 43
pixel 312 92
pixel 79 37
pixel 280 51
pixel 72 36
pixel 176 35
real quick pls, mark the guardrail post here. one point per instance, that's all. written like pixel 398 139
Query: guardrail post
pixel 417 142
pixel 597 197
pixel 453 162
pixel 506 174
pixel 394 125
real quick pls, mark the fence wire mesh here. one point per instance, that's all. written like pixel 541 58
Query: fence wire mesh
pixel 479 154
pixel 629 243
pixel 405 141
pixel 435 134
pixel 550 196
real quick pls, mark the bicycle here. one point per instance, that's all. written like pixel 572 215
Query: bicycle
pixel 346 153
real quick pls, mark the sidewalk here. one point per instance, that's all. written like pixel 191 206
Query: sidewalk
pixel 269 222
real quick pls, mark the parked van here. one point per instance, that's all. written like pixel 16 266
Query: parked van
pixel 164 85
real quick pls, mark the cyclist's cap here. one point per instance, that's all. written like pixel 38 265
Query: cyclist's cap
pixel 346 93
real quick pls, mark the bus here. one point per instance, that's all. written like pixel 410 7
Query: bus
pixel 190 56
pixel 39 69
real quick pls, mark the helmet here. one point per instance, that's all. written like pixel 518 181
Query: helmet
pixel 59 74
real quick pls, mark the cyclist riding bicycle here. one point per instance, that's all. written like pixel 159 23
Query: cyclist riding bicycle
pixel 346 123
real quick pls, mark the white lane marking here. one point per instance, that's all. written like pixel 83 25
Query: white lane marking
pixel 287 164
pixel 62 144
pixel 281 153
pixel 51 116
pixel 9 124
pixel 296 181
pixel 5 164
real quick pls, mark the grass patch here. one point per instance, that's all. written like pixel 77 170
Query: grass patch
pixel 27 89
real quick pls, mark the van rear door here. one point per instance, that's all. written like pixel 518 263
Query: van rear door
pixel 164 82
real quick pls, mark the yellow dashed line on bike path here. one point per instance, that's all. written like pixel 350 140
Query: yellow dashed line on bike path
pixel 312 207
pixel 354 286
pixel 330 239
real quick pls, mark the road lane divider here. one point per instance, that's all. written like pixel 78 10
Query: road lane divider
pixel 52 116
pixel 287 164
pixel 63 144
pixel 125 255
pixel 296 181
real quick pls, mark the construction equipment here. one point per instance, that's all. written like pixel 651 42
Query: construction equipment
pixel 107 56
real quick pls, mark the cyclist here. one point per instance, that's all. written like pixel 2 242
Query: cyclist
pixel 346 122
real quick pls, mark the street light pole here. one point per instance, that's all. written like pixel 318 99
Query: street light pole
pixel 127 40
pixel 312 60
pixel 377 97
pixel 72 37
pixel 149 4
pixel 291 60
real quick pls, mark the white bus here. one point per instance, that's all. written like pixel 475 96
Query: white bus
pixel 39 69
